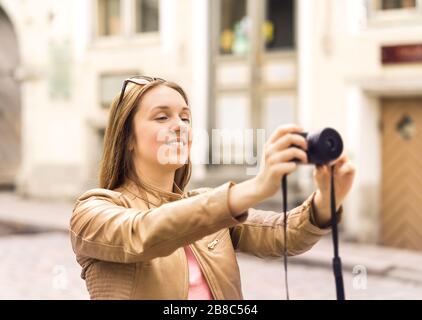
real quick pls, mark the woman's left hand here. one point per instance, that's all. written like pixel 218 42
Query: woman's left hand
pixel 344 173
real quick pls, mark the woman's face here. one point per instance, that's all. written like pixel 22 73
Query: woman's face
pixel 162 128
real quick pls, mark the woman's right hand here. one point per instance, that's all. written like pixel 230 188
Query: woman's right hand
pixel 277 158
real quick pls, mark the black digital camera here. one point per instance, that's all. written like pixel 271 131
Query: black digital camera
pixel 323 146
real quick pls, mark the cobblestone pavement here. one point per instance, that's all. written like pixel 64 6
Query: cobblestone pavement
pixel 39 266
pixel 42 266
pixel 264 279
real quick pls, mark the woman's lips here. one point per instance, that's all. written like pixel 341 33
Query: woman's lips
pixel 176 142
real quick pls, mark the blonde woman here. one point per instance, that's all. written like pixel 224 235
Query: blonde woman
pixel 142 235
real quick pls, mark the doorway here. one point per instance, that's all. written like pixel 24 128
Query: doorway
pixel 10 107
pixel 401 213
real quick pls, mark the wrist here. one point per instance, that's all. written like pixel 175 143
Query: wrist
pixel 321 206
pixel 320 200
pixel 243 196
pixel 260 192
pixel 323 200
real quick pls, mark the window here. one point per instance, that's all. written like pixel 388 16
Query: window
pixel 147 16
pixel 127 17
pixel 109 18
pixel 233 29
pixel 393 12
pixel 110 86
pixel 396 4
pixel 278 28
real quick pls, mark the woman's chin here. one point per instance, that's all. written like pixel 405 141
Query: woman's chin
pixel 175 166
pixel 174 158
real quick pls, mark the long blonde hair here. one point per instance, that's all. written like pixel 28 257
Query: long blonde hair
pixel 117 163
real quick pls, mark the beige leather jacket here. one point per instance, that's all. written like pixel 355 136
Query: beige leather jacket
pixel 128 251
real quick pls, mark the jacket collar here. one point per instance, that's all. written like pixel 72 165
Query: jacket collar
pixel 130 187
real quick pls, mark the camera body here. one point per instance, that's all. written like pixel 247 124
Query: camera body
pixel 324 146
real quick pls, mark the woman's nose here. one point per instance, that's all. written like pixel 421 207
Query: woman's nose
pixel 178 125
pixel 180 129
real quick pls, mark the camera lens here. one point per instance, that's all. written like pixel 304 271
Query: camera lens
pixel 324 146
pixel 330 144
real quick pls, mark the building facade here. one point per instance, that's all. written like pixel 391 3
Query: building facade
pixel 73 57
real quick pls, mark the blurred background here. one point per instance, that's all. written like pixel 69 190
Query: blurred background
pixel 354 65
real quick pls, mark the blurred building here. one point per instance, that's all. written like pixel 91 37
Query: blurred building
pixel 364 76
pixel 353 65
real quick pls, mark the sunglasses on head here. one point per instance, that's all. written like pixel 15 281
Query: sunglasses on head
pixel 140 80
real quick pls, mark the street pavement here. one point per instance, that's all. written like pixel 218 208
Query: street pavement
pixel 42 266
pixel 37 262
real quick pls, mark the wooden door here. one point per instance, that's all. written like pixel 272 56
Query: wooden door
pixel 401 215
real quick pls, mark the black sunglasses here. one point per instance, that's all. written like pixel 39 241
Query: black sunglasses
pixel 141 80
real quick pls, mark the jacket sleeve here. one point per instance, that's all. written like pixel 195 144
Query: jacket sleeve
pixel 262 234
pixel 103 227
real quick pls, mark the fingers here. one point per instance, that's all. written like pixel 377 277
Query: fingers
pixel 340 160
pixel 322 169
pixel 347 168
pixel 288 155
pixel 288 140
pixel 284 168
pixel 321 172
pixel 282 130
pixel 342 165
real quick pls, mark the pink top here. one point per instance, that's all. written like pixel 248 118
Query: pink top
pixel 198 286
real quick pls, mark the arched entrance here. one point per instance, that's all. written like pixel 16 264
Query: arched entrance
pixel 10 107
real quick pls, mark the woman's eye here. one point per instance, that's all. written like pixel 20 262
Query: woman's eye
pixel 165 118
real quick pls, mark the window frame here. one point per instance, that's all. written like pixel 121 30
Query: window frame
pixel 379 17
pixel 128 26
pixel 285 49
pixel 123 73
pixel 97 19
pixel 134 13
pixel 258 17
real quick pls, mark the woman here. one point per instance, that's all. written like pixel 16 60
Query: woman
pixel 143 236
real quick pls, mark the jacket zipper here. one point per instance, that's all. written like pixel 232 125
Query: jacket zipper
pixel 210 283
pixel 210 246
pixel 217 239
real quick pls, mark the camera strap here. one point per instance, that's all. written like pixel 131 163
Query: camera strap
pixel 284 192
pixel 337 267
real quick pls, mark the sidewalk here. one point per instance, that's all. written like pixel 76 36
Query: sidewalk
pixel 40 215
pixel 34 215
pixel 393 263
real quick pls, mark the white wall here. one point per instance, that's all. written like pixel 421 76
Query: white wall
pixel 50 126
pixel 341 80
pixel 59 134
